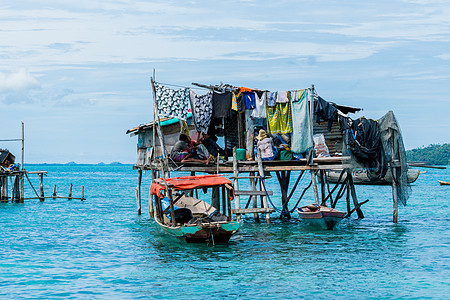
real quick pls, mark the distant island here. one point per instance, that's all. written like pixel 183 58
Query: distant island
pixel 433 154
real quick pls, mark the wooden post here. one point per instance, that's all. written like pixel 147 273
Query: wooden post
pixel 70 192
pixel 237 200
pixel 138 191
pixel 322 187
pixel 23 146
pixel 314 183
pixel 262 177
pixel 394 180
pixel 82 193
pixel 41 186
pixel 250 134
pixel 351 186
pixel 283 180
pixel 4 196
pixel 54 192
pixel 224 201
pixel 22 185
pixel 254 197
pixel 151 210
pixel 16 192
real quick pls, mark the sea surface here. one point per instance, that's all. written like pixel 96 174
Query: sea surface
pixel 102 249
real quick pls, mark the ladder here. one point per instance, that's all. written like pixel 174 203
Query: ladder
pixel 253 194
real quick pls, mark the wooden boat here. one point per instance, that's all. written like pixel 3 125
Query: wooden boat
pixel 320 216
pixel 190 218
pixel 360 177
pixel 444 182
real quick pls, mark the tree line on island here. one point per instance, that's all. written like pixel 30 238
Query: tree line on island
pixel 434 154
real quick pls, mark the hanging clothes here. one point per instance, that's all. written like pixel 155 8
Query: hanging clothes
pixel 271 98
pixel 202 110
pixel 282 97
pixel 233 102
pixel 172 103
pixel 279 118
pixel 260 105
pixel 249 100
pixel 301 139
pixel 325 111
pixel 221 104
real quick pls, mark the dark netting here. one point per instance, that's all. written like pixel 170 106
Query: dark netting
pixel 391 138
pixel 362 136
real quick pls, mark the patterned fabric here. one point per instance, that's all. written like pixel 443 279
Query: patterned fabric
pixel 201 110
pixel 234 105
pixel 172 103
pixel 279 118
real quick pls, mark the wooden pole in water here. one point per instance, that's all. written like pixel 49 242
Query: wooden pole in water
pixel 82 193
pixel 22 185
pixel 138 191
pixel 254 197
pixel 23 145
pixel 41 186
pixel 70 192
pixel 351 186
pixel 54 192
pixel 151 210
pixel 314 183
pixel 262 177
pixel 394 179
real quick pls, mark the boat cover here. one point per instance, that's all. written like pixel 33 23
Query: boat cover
pixel 190 182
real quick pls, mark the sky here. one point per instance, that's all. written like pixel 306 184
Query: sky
pixel 77 73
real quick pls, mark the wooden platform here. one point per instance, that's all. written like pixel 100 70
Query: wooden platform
pixel 325 163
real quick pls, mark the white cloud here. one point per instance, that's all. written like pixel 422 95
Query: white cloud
pixel 18 81
pixel 444 56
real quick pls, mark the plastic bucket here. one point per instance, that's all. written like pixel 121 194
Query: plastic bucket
pixel 240 154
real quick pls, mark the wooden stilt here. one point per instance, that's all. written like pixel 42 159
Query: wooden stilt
pixel 283 179
pixel 4 196
pixel 82 193
pixel 353 194
pixel 394 180
pixel 151 209
pixel 22 191
pixel 254 197
pixel 237 199
pixel 138 192
pixel 70 192
pixel 54 192
pixel 314 184
pixel 41 186
pixel 322 187
pixel 262 185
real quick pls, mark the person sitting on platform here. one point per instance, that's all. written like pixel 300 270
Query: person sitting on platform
pixel 265 144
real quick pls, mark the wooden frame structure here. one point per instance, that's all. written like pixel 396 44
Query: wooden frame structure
pixel 257 169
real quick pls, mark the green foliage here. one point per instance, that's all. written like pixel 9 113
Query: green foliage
pixel 434 154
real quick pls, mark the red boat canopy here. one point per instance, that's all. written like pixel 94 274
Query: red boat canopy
pixel 188 183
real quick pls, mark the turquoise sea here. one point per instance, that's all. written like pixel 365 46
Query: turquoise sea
pixel 101 248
